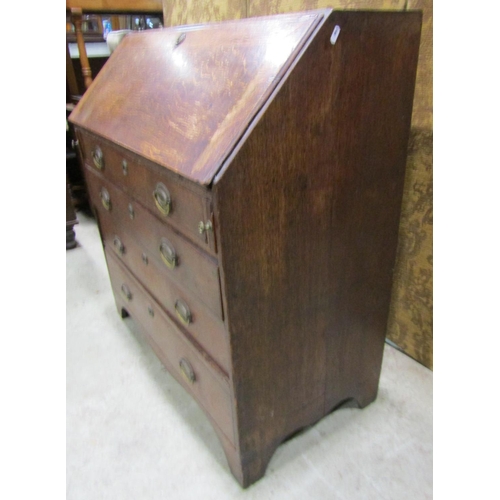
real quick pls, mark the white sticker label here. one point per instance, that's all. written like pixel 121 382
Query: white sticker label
pixel 335 35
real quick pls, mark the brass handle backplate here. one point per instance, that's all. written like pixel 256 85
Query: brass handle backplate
pixel 162 198
pixel 105 198
pixel 120 247
pixel 187 371
pixel 98 158
pixel 167 253
pixel 126 292
pixel 183 312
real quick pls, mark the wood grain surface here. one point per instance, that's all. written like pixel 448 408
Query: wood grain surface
pixel 184 106
pixel 307 278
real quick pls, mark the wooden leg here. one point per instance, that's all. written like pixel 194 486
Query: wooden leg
pixel 249 467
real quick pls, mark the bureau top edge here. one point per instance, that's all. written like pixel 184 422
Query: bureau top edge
pixel 183 97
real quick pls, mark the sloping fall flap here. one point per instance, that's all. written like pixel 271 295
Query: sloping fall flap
pixel 182 97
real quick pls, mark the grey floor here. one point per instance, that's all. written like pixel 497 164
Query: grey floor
pixel 133 433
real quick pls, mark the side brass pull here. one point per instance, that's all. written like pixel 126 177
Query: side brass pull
pixel 204 227
pixel 167 253
pixel 126 292
pixel 162 198
pixel 183 312
pixel 105 198
pixel 124 167
pixel 187 371
pixel 120 247
pixel 98 158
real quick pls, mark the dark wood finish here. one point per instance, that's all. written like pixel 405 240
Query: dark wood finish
pixel 297 169
pixel 73 94
pixel 307 279
pixel 74 173
pixel 71 220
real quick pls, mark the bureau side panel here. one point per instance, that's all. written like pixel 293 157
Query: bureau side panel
pixel 307 213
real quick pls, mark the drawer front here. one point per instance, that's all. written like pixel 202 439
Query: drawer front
pixel 166 195
pixel 189 312
pixel 184 361
pixel 191 268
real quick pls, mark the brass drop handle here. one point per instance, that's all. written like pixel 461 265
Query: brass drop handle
pixel 167 253
pixel 131 211
pixel 124 167
pixel 126 292
pixel 162 198
pixel 187 371
pixel 204 226
pixel 98 158
pixel 120 247
pixel 105 199
pixel 183 312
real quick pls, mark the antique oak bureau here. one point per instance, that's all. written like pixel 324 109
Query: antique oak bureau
pixel 247 178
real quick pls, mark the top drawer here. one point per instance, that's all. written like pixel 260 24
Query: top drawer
pixel 187 206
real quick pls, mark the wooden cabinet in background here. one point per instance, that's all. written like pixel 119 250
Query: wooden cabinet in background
pixel 247 180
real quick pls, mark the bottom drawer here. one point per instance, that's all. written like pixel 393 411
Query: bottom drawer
pixel 185 362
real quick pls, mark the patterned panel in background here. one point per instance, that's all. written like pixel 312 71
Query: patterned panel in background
pixel 264 8
pixel 178 12
pixel 410 319
pixel 422 104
